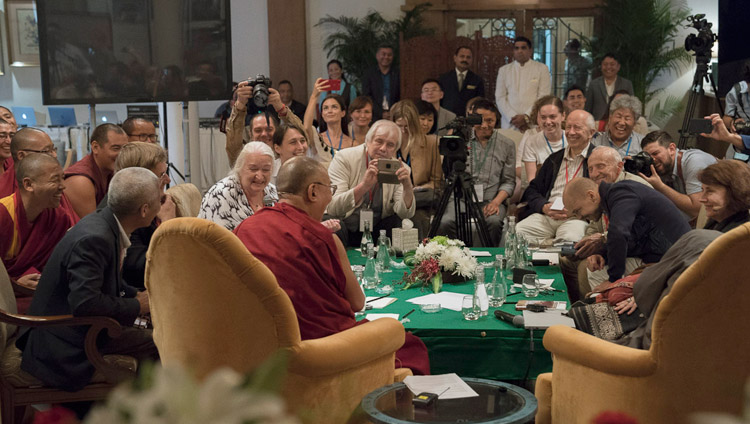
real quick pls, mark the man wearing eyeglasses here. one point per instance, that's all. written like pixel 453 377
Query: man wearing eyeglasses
pixel 432 92
pixel 139 129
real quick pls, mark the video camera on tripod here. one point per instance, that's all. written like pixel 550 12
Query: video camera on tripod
pixel 454 147
pixel 703 42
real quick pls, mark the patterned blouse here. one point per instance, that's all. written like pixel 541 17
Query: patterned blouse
pixel 226 204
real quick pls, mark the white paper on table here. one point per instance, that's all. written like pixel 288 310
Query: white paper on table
pixel 447 300
pixel 544 283
pixel 380 303
pixel 546 319
pixel 481 254
pixel 553 258
pixel 456 388
pixel 373 317
pixel 558 204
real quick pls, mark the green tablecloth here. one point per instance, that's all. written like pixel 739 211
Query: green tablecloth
pixel 487 348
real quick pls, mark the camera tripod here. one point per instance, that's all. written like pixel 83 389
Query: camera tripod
pixel 460 187
pixel 696 90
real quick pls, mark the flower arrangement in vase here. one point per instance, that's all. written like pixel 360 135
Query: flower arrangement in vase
pixel 439 260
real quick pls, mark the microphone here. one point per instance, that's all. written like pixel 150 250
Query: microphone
pixel 516 320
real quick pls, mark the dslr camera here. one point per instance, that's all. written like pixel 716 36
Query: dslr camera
pixel 454 147
pixel 639 163
pixel 260 86
pixel 742 127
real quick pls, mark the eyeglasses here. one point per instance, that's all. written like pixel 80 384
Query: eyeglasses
pixel 7 135
pixel 144 137
pixel 331 186
pixel 47 151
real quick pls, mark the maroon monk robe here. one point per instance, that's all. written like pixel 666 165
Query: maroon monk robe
pixel 9 185
pixel 89 169
pixel 302 255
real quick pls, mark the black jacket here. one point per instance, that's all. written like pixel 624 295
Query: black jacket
pixel 455 101
pixel 81 278
pixel 372 85
pixel 643 223
pixel 537 193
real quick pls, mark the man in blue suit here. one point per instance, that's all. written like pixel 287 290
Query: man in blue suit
pixel 82 277
pixel 461 84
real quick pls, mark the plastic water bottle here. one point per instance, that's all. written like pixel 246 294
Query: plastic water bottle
pixel 510 247
pixel 480 292
pixel 497 289
pixel 366 238
pixel 370 278
pixel 383 263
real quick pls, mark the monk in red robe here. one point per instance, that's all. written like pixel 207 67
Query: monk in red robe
pixel 87 181
pixel 31 221
pixel 310 262
pixel 7 131
pixel 29 141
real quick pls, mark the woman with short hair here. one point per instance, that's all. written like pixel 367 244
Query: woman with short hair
pixel 360 118
pixel 726 194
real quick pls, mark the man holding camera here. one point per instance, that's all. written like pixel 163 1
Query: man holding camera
pixel 740 143
pixel 674 172
pixel 358 194
pixel 491 163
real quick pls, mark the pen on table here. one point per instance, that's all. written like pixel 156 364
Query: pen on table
pixel 377 298
pixel 408 313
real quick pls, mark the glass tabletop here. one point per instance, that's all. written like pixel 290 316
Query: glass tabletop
pixel 497 402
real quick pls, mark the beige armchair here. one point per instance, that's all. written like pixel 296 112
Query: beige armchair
pixel 213 304
pixel 698 360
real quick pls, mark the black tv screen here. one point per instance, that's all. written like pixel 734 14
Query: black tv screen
pixel 130 51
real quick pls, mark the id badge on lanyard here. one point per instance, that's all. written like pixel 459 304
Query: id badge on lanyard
pixel 479 190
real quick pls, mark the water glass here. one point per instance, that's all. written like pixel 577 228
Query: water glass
pixel 530 285
pixel 470 308
pixel 384 287
pixel 496 292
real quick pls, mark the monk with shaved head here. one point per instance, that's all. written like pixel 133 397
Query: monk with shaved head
pixel 31 220
pixel 309 261
pixel 642 224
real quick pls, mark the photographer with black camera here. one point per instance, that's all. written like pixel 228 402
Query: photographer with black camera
pixel 491 162
pixel 674 172
pixel 738 102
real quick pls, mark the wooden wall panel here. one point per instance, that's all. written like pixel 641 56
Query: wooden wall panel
pixel 287 44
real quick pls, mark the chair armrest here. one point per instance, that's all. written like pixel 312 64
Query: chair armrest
pixel 347 349
pixel 601 355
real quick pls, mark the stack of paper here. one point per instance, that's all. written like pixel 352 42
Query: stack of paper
pixel 553 258
pixel 544 284
pixel 446 300
pixel 373 317
pixel 380 303
pixel 448 386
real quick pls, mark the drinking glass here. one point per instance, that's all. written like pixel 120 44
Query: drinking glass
pixel 496 291
pixel 470 308
pixel 530 285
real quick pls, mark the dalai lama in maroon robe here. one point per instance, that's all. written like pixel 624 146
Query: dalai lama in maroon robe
pixel 308 260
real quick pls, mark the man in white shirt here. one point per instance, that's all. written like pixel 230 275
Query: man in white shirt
pixel 519 84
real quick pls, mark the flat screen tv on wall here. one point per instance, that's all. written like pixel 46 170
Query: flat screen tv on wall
pixel 132 51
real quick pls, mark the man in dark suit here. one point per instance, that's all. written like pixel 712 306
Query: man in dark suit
pixel 382 84
pixel 82 277
pixel 602 89
pixel 286 92
pixel 461 84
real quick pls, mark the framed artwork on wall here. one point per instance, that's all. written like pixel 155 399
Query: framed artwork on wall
pixel 3 43
pixel 23 36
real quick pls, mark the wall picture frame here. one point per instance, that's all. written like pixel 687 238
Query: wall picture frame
pixel 23 34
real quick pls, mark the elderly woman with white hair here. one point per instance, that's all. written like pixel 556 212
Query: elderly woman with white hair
pixel 246 189
pixel 624 112
pixel 359 197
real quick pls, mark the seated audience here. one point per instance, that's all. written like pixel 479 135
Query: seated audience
pixel 7 131
pixel 288 141
pixel 420 152
pixel 602 89
pixel 491 164
pixel 309 262
pixel 427 115
pixel 725 194
pixel 82 278
pixel 354 172
pixel 31 220
pixel 641 124
pixel 360 113
pixel 87 180
pixel 347 90
pixel 432 92
pixel 461 84
pixel 7 116
pixel 539 221
pixel 332 136
pixel 154 158
pixel 286 92
pixel 641 225
pixel 140 129
pixel 675 172
pixel 574 98
pixel 245 191
pixel 548 139
pixel 624 112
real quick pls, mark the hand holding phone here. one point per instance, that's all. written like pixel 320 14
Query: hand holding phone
pixel 387 171
pixel 333 84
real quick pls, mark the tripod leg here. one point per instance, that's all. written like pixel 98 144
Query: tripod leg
pixel 444 199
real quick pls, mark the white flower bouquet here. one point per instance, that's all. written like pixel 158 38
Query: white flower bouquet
pixel 435 256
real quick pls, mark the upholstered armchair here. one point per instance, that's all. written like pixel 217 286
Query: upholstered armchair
pixel 214 304
pixel 19 389
pixel 698 360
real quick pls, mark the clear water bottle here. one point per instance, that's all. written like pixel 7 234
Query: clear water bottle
pixel 366 238
pixel 497 289
pixel 370 278
pixel 384 257
pixel 480 292
pixel 511 241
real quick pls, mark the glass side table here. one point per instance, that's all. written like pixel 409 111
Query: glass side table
pixel 497 403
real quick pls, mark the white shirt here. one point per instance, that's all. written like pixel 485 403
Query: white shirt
pixel 518 87
pixel 537 150
pixel 570 168
pixel 461 76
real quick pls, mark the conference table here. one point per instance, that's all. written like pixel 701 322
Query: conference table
pixel 486 348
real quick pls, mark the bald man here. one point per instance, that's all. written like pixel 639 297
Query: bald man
pixel 87 180
pixel 140 129
pixel 643 224
pixel 310 262
pixel 31 220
